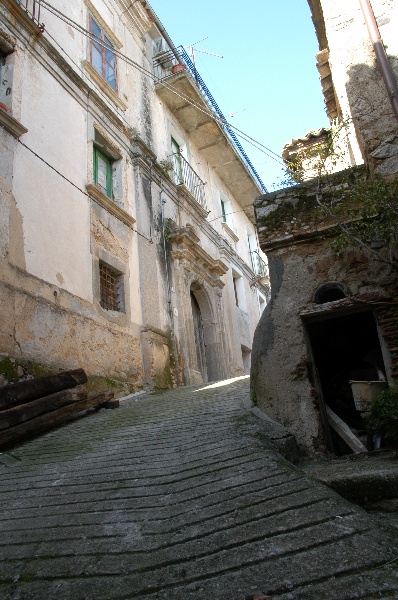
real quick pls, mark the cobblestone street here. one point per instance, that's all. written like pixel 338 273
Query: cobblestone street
pixel 180 495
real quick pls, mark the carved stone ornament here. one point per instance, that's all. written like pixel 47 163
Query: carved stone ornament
pixel 185 246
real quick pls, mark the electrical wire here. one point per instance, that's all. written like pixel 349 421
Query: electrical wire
pixel 226 214
pixel 255 143
pixel 74 185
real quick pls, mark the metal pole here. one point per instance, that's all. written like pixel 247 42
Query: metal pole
pixel 382 60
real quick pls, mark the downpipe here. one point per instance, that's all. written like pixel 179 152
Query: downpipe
pixel 381 56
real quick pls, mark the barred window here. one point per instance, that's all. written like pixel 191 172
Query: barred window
pixel 111 288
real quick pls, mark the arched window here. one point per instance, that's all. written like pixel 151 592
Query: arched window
pixel 330 292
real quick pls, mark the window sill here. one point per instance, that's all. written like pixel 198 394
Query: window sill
pixel 109 205
pixel 11 124
pixel 104 87
pixel 230 232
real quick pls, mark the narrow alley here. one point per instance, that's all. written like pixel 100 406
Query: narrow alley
pixel 180 495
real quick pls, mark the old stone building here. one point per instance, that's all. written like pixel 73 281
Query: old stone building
pixel 332 318
pixel 127 238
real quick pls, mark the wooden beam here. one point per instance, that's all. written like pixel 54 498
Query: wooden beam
pixel 31 389
pixel 30 410
pixel 344 431
pixel 19 433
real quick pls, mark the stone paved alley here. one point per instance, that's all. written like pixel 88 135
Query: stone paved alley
pixel 179 495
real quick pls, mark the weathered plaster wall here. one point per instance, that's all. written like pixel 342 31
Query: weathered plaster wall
pixel 63 332
pixel 54 230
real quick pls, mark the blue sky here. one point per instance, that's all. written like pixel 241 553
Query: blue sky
pixel 267 76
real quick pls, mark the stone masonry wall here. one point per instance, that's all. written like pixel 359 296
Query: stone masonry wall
pixel 296 236
pixel 360 93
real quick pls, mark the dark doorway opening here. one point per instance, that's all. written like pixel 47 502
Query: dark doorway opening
pixel 199 338
pixel 345 348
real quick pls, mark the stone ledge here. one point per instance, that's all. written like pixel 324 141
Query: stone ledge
pixel 230 231
pixel 11 124
pixel 360 479
pixel 109 205
pixel 280 437
pixel 104 87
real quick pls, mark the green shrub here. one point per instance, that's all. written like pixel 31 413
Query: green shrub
pixel 383 416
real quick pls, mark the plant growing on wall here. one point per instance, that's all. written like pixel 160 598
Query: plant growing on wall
pixel 383 416
pixel 167 166
pixel 364 209
pixel 370 211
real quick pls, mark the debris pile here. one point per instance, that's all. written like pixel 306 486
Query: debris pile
pixel 31 407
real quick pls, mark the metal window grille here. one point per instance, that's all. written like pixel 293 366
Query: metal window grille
pixel 110 283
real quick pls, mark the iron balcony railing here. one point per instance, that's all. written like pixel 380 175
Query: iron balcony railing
pixel 258 265
pixel 32 8
pixel 184 174
pixel 165 64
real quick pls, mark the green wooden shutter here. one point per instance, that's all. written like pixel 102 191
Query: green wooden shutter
pixel 103 172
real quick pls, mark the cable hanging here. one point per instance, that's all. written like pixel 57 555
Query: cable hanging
pixel 74 184
pixel 221 121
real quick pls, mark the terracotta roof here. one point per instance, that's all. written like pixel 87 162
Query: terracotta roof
pixel 312 134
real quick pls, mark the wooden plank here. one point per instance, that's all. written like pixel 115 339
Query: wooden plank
pixel 18 433
pixel 344 431
pixel 20 414
pixel 31 389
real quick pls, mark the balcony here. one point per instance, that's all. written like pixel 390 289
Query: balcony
pixel 184 174
pixel 32 9
pixel 183 91
pixel 258 265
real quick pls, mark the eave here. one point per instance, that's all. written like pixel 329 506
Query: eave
pixel 319 23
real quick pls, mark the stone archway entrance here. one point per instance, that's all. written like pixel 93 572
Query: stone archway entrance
pixel 206 334
pixel 196 280
pixel 199 338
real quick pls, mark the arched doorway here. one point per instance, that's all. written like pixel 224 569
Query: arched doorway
pixel 199 337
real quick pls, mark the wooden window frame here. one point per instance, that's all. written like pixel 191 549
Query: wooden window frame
pixel 102 45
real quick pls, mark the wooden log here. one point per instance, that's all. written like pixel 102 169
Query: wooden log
pixel 31 389
pixel 20 414
pixel 21 432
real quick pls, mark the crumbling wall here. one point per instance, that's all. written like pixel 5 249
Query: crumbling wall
pixel 296 235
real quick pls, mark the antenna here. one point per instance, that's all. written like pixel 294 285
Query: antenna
pixel 192 50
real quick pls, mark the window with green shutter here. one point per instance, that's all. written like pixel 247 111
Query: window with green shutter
pixel 103 172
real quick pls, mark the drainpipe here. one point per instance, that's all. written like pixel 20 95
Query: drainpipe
pixel 382 60
pixel 162 30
